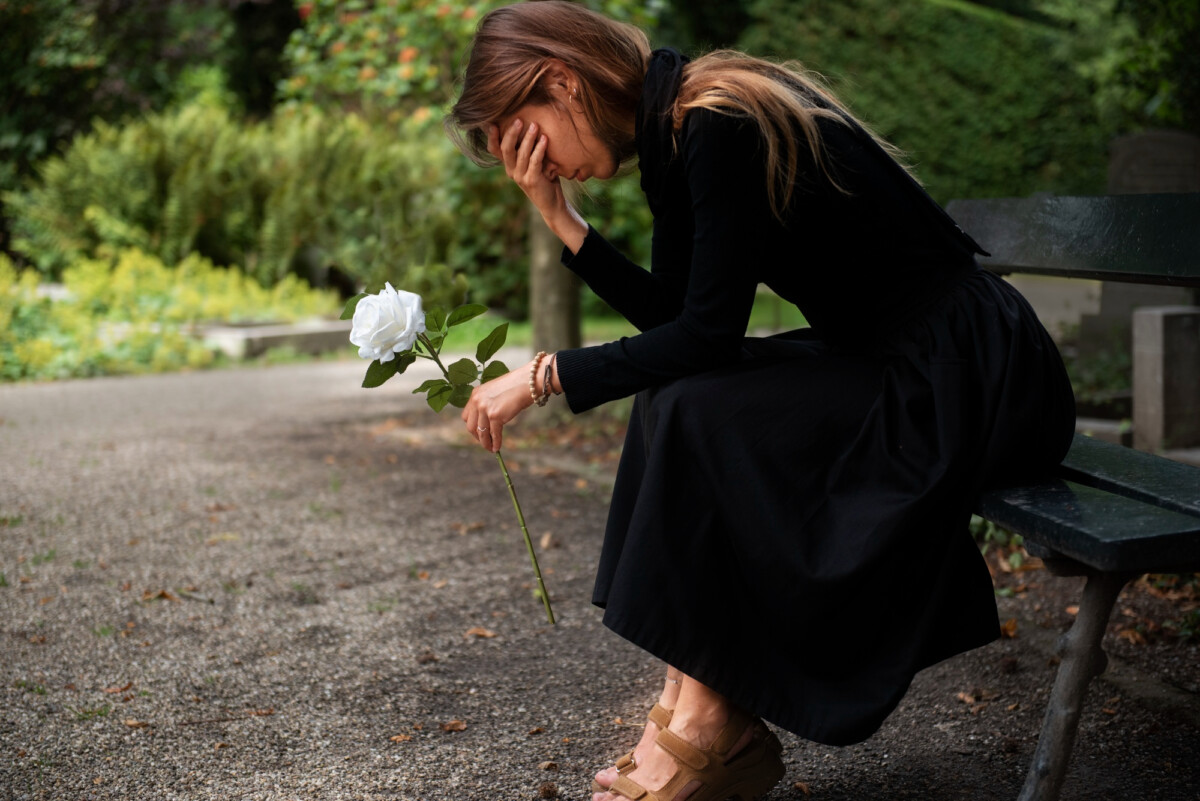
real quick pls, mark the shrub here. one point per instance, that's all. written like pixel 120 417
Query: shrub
pixel 133 314
pixel 295 194
pixel 982 101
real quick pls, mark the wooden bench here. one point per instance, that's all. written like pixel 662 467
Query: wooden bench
pixel 1110 513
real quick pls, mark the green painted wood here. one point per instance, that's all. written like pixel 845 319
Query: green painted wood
pixel 1100 529
pixel 1135 474
pixel 1147 239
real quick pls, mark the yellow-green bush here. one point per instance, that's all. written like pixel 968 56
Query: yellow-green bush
pixel 131 314
pixel 296 193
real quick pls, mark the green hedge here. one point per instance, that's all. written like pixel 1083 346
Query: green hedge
pixel 275 198
pixel 982 102
pixel 131 313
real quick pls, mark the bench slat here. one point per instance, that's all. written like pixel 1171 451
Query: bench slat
pixel 1097 528
pixel 1140 475
pixel 1147 239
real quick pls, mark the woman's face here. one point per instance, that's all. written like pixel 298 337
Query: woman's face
pixel 573 152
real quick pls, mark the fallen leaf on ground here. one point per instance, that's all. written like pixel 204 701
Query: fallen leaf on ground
pixel 401 738
pixel 549 541
pixel 455 725
pixel 154 595
pixel 547 790
pixel 479 631
pixel 536 730
pixel 136 724
pixel 440 583
pixel 802 787
pixel 1133 636
pixel 548 766
pixel 463 528
pixel 1008 629
pixel 219 746
pixel 115 690
pixel 261 713
pixel 1073 610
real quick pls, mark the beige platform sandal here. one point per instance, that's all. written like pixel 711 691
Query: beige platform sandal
pixel 660 716
pixel 744 776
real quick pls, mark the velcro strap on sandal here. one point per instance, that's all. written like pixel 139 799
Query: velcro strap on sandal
pixel 684 752
pixel 660 716
pixel 628 788
pixel 733 731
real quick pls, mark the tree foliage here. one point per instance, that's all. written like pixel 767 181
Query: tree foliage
pixel 983 102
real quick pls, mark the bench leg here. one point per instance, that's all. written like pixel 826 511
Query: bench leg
pixel 1082 660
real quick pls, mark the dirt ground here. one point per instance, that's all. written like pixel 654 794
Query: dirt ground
pixel 271 584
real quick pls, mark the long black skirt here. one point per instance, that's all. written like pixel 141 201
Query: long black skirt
pixel 792 530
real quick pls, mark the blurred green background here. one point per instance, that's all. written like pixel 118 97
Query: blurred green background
pixel 193 153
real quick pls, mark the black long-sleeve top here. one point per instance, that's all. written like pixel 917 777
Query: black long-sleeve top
pixel 856 263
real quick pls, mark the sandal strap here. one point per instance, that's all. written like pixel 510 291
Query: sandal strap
pixel 660 716
pixel 628 788
pixel 716 755
pixel 682 751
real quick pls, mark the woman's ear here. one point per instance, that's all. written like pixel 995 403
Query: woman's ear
pixel 560 80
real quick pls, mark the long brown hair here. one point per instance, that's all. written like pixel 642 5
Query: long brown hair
pixel 513 49
pixel 514 46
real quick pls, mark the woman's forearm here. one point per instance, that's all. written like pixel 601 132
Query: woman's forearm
pixel 568 226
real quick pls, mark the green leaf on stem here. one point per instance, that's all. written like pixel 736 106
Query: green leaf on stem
pixel 492 343
pixel 432 383
pixel 465 312
pixel 348 311
pixel 435 342
pixel 404 361
pixel 463 371
pixel 460 395
pixel 435 320
pixel 493 370
pixel 439 397
pixel 379 372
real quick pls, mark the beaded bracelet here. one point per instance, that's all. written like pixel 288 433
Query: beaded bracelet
pixel 533 368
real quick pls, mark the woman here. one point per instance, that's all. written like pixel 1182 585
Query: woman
pixel 788 530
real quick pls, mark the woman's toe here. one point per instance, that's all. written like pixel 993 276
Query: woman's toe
pixel 606 777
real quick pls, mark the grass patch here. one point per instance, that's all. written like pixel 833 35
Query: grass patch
pixel 91 713
pixel 43 558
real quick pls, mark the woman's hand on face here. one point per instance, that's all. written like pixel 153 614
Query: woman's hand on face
pixel 494 404
pixel 521 149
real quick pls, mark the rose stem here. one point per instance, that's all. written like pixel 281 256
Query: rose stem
pixel 512 493
pixel 537 571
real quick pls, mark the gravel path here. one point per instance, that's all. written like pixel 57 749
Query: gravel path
pixel 269 583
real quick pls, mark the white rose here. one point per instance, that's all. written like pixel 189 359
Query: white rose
pixel 387 323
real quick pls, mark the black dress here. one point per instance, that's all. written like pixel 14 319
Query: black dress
pixel 789 521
